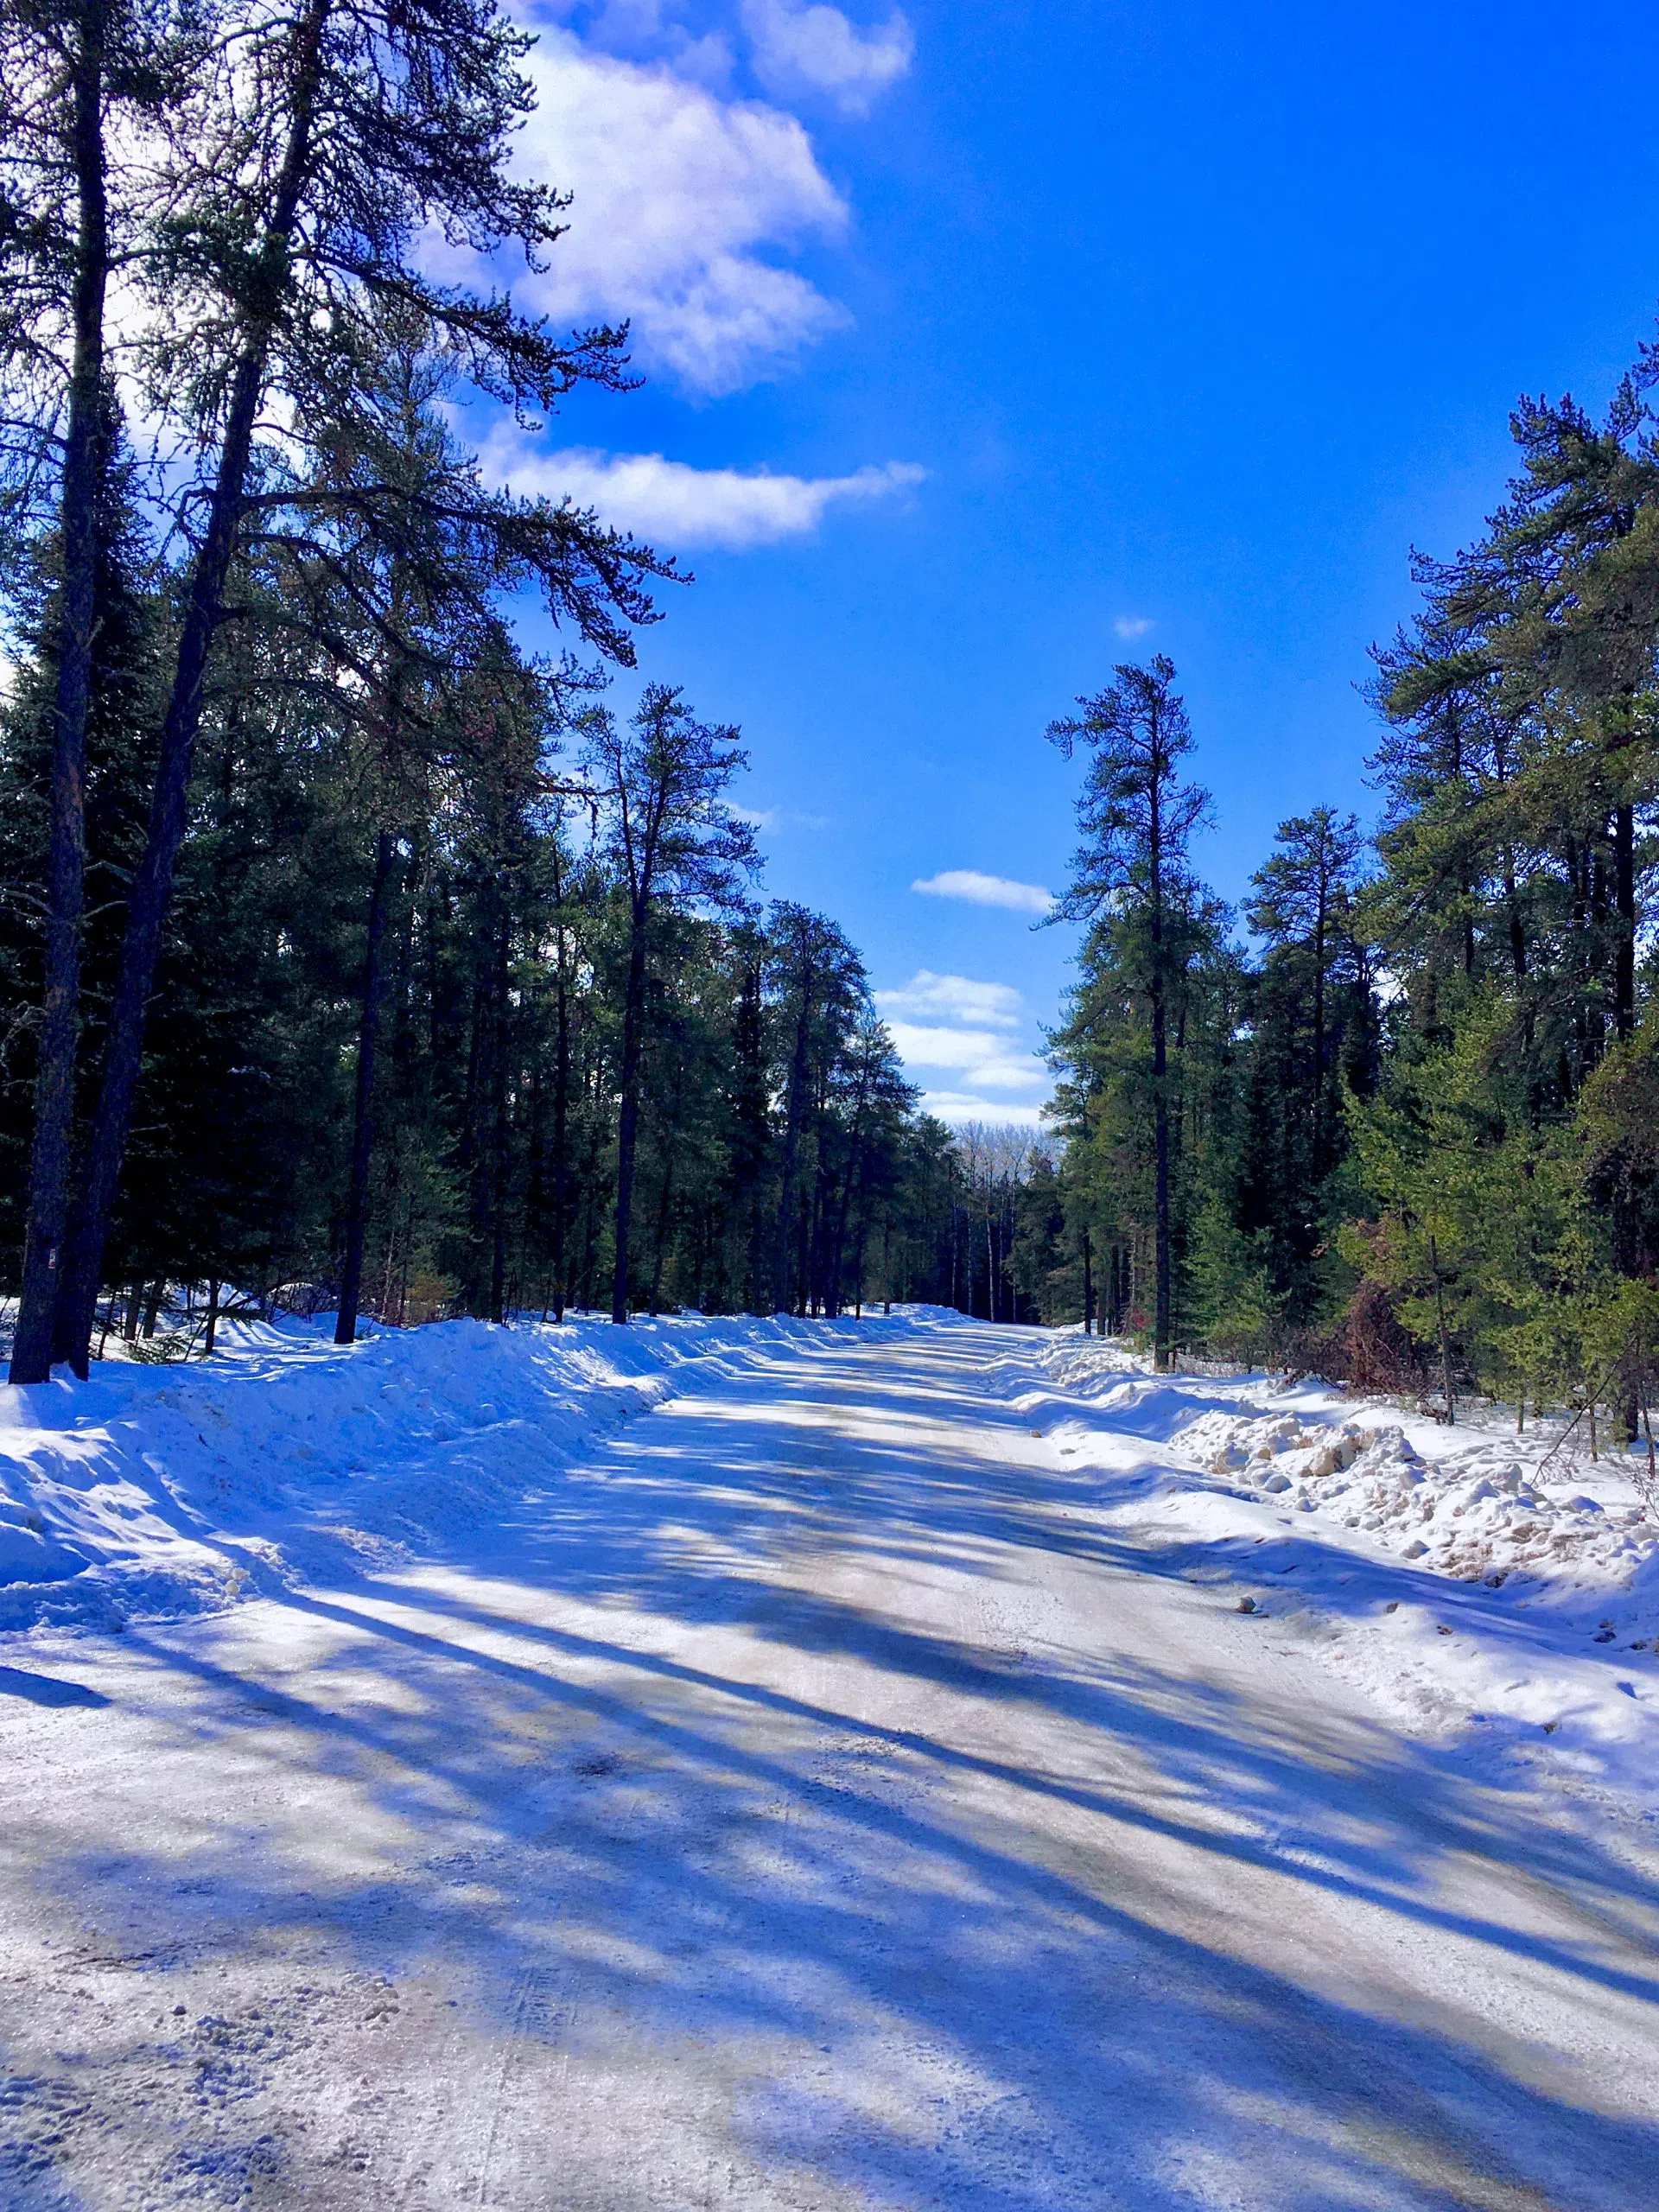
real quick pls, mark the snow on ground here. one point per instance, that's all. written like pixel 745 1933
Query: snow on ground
pixel 150 1492
pixel 1470 1579
pixel 1474 1580
pixel 849 1786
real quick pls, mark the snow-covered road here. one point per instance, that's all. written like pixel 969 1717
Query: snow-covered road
pixel 826 1794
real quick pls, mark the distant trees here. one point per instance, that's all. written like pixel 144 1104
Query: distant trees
pixel 1311 1008
pixel 1004 1168
pixel 390 1036
pixel 820 986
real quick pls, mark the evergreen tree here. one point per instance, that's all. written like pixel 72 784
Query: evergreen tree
pixel 674 845
pixel 71 73
pixel 1129 880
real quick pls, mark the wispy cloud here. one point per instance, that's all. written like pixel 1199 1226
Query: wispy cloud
pixel 677 506
pixel 679 199
pixel 980 890
pixel 958 1027
pixel 1130 626
pixel 953 998
pixel 982 1057
pixel 780 818
pixel 815 49
pixel 958 1106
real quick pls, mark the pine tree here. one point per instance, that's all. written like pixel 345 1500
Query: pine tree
pixel 365 123
pixel 1137 815
pixel 72 72
pixel 673 844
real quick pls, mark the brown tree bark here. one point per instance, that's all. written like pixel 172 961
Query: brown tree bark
pixel 368 1038
pixel 1163 1324
pixel 86 462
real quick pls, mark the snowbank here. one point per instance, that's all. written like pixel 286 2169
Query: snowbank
pixel 1469 1585
pixel 149 1492
pixel 1474 1580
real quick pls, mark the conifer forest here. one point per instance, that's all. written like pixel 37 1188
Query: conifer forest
pixel 829 1253
pixel 1403 1128
pixel 350 950
pixel 344 944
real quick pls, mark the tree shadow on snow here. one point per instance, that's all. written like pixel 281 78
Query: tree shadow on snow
pixel 1041 1949
pixel 47 1690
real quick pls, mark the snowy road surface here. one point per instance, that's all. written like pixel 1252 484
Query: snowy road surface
pixel 824 1794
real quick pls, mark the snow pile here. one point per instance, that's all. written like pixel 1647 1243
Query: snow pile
pixel 1476 1581
pixel 1475 1511
pixel 1087 1367
pixel 1478 1512
pixel 153 1492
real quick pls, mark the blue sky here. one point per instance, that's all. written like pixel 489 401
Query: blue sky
pixel 987 345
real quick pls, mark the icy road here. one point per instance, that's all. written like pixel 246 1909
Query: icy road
pixel 824 1794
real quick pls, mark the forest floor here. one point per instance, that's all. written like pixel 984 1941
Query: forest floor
pixel 850 1784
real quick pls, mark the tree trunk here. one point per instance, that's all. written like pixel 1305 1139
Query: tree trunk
pixel 368 1037
pixel 843 1208
pixel 1162 1303
pixel 1625 902
pixel 1446 1340
pixel 86 460
pixel 665 1200
pixel 152 883
pixel 627 1126
pixel 793 1108
pixel 1517 928
pixel 501 1037
pixel 1320 925
pixel 561 1111
pixel 659 1242
pixel 665 1196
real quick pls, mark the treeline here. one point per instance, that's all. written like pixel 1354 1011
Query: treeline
pixel 1410 1132
pixel 341 943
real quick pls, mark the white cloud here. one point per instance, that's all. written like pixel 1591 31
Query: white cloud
pixel 815 49
pixel 671 503
pixel 928 996
pixel 780 818
pixel 958 1106
pixel 982 1057
pixel 1134 626
pixel 678 196
pixel 975 1047
pixel 986 890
